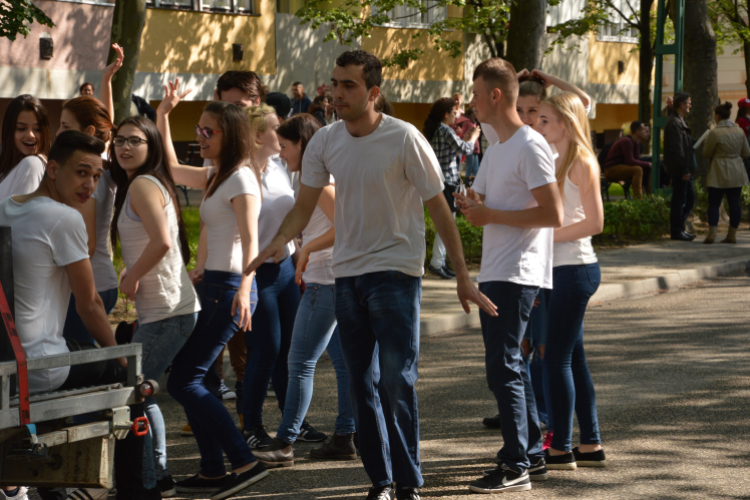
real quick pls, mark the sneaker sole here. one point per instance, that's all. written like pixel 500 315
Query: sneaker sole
pixel 598 464
pixel 241 486
pixel 308 440
pixel 572 466
pixel 539 477
pixel 169 493
pixel 335 457
pixel 520 487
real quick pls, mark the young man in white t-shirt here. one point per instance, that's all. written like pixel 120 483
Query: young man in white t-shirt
pixel 384 170
pixel 516 198
pixel 51 260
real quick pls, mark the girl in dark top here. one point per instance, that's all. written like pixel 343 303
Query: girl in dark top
pixel 318 109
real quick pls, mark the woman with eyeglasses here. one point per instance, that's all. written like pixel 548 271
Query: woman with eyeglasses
pixel 155 250
pixel 229 211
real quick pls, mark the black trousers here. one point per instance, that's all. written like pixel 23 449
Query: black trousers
pixel 683 201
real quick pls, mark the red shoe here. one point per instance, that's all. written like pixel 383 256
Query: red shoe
pixel 547 440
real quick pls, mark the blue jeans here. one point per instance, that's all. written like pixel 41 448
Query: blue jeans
pixel 268 342
pixel 472 165
pixel 378 316
pixel 506 372
pixel 74 328
pixel 314 329
pixel 212 425
pixel 160 341
pixel 537 331
pixel 571 388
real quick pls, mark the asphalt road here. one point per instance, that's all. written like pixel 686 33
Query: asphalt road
pixel 673 391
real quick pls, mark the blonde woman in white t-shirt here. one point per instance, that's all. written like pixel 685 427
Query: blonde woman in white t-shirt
pixel 576 277
pixel 229 211
pixel 25 144
pixel 315 328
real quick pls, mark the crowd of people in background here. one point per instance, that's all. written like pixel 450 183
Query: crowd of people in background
pixel 290 262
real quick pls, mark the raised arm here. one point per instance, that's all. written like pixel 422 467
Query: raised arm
pixel 105 93
pixel 246 209
pixel 194 177
pixel 295 221
pixel 148 203
pixel 561 84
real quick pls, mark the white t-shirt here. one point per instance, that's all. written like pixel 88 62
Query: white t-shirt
pixel 47 236
pixel 224 241
pixel 278 200
pixel 381 180
pixel 101 262
pixel 24 178
pixel 508 173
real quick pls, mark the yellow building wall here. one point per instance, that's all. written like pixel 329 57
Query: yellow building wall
pixel 197 42
pixel 183 119
pixel 432 65
pixel 613 116
pixel 603 58
pixel 414 113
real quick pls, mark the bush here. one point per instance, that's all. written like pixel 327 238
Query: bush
pixel 636 219
pixel 471 238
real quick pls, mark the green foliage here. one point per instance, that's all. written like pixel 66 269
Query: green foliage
pixel 635 219
pixel 355 19
pixel 701 200
pixel 16 15
pixel 471 238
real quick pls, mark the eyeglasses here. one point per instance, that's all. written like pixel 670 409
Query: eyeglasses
pixel 133 142
pixel 205 131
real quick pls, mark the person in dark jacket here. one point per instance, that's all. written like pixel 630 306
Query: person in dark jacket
pixel 679 159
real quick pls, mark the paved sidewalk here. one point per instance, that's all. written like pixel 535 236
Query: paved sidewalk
pixel 626 272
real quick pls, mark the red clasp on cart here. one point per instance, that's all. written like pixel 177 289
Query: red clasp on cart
pixel 140 426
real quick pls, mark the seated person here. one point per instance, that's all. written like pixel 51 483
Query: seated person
pixel 624 162
pixel 51 260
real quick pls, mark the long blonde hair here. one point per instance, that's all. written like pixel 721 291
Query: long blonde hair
pixel 569 108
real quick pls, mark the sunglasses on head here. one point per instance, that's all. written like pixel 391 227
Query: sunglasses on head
pixel 205 131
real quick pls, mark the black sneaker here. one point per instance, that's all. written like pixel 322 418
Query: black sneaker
pixel 537 471
pixel 308 434
pixel 197 484
pixel 167 487
pixel 258 438
pixel 449 271
pixel 501 480
pixel 406 493
pixel 492 422
pixel 593 459
pixel 380 493
pixel 439 272
pixel 560 462
pixel 238 482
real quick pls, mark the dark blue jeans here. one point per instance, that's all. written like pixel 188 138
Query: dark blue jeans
pixel 506 372
pixel 378 317
pixel 212 425
pixel 537 332
pixel 74 328
pixel 269 341
pixel 683 201
pixel 571 388
pixel 715 197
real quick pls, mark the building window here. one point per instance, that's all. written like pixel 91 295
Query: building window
pixel 620 30
pixel 226 6
pixel 406 16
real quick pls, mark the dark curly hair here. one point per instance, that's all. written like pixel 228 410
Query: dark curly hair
pixel 372 69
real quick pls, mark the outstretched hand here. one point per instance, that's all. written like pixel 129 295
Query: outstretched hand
pixel 112 68
pixel 171 97
pixel 468 292
pixel 273 251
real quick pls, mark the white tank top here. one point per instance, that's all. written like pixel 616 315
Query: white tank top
pixel 577 252
pixel 165 291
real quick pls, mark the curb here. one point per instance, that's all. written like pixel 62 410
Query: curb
pixel 446 324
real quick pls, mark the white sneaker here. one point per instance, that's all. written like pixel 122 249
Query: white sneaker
pixel 226 393
pixel 87 494
pixel 21 495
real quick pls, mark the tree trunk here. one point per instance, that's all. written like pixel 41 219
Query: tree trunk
pixel 526 33
pixel 746 51
pixel 646 63
pixel 127 25
pixel 700 71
